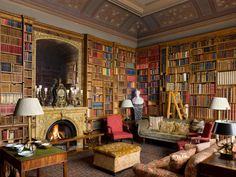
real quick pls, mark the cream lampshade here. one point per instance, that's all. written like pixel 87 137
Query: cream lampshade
pixel 28 107
pixel 220 103
pixel 127 104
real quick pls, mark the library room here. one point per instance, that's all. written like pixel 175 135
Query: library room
pixel 125 88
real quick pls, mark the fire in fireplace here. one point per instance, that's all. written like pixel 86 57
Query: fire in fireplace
pixel 61 129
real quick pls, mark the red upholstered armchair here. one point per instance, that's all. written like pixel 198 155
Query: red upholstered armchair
pixel 205 136
pixel 115 129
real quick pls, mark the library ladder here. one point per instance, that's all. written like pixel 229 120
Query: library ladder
pixel 174 97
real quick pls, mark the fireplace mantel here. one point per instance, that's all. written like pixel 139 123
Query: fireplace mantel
pixel 76 115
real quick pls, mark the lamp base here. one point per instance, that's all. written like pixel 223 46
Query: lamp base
pixel 226 156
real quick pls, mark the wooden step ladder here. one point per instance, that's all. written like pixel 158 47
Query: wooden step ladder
pixel 174 98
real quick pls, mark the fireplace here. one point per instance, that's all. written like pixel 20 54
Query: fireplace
pixel 61 129
pixel 67 122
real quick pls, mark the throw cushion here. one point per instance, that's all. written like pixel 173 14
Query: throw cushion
pixel 154 122
pixel 179 159
pixel 197 126
pixel 181 128
pixel 167 127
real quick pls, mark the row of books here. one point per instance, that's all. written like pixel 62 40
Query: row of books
pixel 201 100
pixel 142 60
pixel 131 71
pixel 228 45
pixel 210 65
pixel 204 57
pixel 10 40
pixel 180 77
pixel 230 114
pixel 203 43
pixel 99 46
pixel 11 32
pixel 97 83
pixel 130 65
pixel 28 28
pixel 10 134
pixel 142 66
pixel 200 77
pixel 176 86
pixel 28 92
pixel 201 113
pixel 207 88
pixel 108 84
pixel 153 90
pixel 154 65
pixel 203 50
pixel 142 78
pixel 142 72
pixel 229 37
pixel 7 88
pixel 178 55
pixel 28 37
pixel 119 64
pixel 154 97
pixel 9 98
pixel 226 78
pixel 97 104
pixel 95 113
pixel 154 71
pixel 179 62
pixel 142 85
pixel 156 83
pixel 28 46
pixel 11 49
pixel 6 109
pixel 27 56
pixel 227 54
pixel 11 23
pixel 7 58
pixel 28 65
pixel 227 92
pixel 154 78
pixel 17 68
pixel 97 61
pixel 108 106
pixel 226 65
pixel 179 48
pixel 6 67
pixel 182 69
pixel 153 51
pixel 107 71
pixel 11 77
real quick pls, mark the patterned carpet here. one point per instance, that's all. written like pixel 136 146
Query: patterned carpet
pixel 80 164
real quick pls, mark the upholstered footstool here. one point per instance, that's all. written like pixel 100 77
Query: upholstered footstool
pixel 116 156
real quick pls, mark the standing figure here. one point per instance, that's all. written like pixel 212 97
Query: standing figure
pixel 138 105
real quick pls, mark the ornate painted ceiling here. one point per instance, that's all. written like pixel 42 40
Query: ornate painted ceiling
pixel 136 18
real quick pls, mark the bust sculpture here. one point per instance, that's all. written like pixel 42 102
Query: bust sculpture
pixel 138 105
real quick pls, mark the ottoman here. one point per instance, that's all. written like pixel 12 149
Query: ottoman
pixel 116 156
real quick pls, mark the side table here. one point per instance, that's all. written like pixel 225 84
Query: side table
pixel 214 166
pixel 41 158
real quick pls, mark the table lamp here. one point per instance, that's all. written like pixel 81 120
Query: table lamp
pixel 28 107
pixel 127 104
pixel 220 103
pixel 228 129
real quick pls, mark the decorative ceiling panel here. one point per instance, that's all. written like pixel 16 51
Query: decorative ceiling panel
pixel 176 15
pixel 222 5
pixel 111 15
pixel 156 15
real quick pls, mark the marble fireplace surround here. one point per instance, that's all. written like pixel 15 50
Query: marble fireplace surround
pixel 76 115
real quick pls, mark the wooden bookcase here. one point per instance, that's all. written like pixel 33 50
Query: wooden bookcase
pixel 226 67
pixel 15 73
pixel 125 74
pixel 203 76
pixel 99 77
pixel 149 78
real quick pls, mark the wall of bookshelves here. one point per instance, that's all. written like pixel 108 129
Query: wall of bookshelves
pixel 15 73
pixel 204 66
pixel 125 74
pixel 179 70
pixel 226 67
pixel 99 77
pixel 149 78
